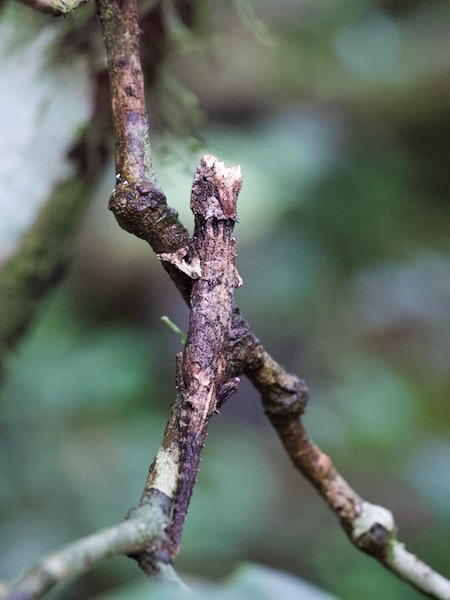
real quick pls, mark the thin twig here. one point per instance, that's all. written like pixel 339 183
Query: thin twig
pixel 371 528
pixel 144 527
pixel 137 202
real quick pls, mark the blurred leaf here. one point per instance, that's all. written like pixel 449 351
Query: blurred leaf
pixel 89 371
pixel 428 475
pixel 250 582
pixel 368 405
pixel 261 583
pixel 248 500
pixel 371 49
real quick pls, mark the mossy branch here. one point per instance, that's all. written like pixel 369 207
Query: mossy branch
pixel 39 263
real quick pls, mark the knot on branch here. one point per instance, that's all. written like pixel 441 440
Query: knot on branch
pixel 131 203
pixel 285 398
pixel 141 209
pixel 286 402
pixel 373 529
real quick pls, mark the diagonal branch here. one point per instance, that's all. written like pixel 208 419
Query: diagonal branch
pixel 140 207
pixel 40 262
pixel 371 528
pixel 202 370
pixel 144 526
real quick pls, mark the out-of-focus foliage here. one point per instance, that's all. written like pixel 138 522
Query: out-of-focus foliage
pixel 249 582
pixel 38 126
pixel 338 113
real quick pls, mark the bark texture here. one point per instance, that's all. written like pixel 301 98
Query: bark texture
pixel 219 347
pixel 203 380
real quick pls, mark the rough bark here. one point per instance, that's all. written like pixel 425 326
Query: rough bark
pixel 202 368
pixel 215 353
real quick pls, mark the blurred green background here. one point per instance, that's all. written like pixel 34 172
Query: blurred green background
pixel 339 114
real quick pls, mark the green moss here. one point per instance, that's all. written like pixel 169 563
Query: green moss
pixel 40 261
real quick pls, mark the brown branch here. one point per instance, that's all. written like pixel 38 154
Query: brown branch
pixel 202 369
pixel 371 528
pixel 140 208
pixel 137 202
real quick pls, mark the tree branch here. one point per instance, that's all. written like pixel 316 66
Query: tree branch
pixel 137 202
pixel 140 207
pixel 202 370
pixel 149 535
pixel 39 263
pixel 56 8
pixel 143 528
pixel 371 528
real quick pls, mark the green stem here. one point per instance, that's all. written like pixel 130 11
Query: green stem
pixel 171 325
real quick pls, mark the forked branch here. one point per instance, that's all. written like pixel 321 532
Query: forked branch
pixel 140 207
pixel 284 395
pixel 151 533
